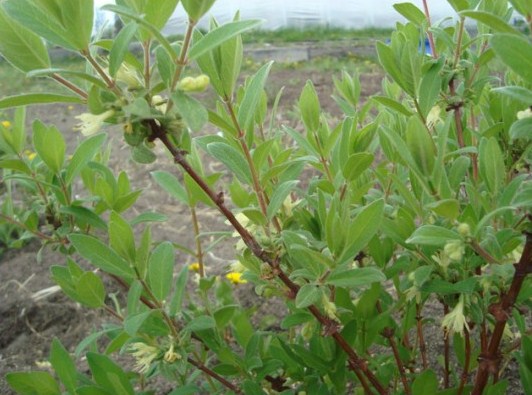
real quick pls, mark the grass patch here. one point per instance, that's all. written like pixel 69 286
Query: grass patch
pixel 290 35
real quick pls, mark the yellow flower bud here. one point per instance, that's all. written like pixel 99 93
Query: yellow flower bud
pixel 6 124
pixel 194 267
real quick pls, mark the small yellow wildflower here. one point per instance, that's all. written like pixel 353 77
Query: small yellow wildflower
pixel 235 278
pixel 30 154
pixel 194 267
pixel 6 124
pixel 70 108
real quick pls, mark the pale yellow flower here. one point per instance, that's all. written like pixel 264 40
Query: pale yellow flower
pixel 128 75
pixel 144 355
pixel 170 355
pixel 524 114
pixel 454 250
pixel 91 123
pixel 6 124
pixel 235 278
pixel 455 321
pixel 433 117
pixel 160 103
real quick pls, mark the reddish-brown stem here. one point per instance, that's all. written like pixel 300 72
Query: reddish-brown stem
pixel 388 333
pixel 446 349
pixel 429 33
pixel 489 360
pixel 467 362
pixel 21 225
pixel 73 87
pixel 101 72
pixel 357 364
pixel 214 375
pixel 112 312
pixel 420 337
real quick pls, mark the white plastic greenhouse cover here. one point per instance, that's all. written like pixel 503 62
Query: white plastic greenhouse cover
pixel 353 14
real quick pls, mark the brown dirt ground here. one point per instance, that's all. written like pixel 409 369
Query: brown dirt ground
pixel 27 327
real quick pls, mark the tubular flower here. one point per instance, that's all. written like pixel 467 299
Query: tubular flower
pixel 235 278
pixel 524 114
pixel 170 355
pixel 455 321
pixel 194 84
pixel 128 76
pixel 433 117
pixel 144 356
pixel 91 123
pixel 160 103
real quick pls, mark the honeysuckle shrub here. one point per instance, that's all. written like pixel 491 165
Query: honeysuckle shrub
pixel 418 197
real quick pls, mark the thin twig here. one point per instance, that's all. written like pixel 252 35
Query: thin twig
pixel 420 337
pixel 429 33
pixel 465 372
pixel 73 87
pixel 214 375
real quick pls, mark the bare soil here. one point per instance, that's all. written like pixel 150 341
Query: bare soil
pixel 27 326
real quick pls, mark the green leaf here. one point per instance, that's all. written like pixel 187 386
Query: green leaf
pixel 21 47
pixel 425 383
pixel 390 63
pixel 432 235
pixel 108 374
pixel 36 98
pixel 179 292
pixel 448 208
pixel 201 323
pixel 68 24
pixel 217 36
pixel 148 217
pixel 420 145
pixel 307 295
pixel 459 5
pixel 134 322
pixel 309 106
pixel 143 154
pixel 442 287
pixel 63 365
pixel 233 159
pixel 83 155
pixel 392 104
pixel 252 96
pixel 100 255
pixel 362 229
pixel 515 52
pixel 197 8
pixel 279 196
pixel 410 12
pixel 521 129
pixel 491 164
pixel 491 20
pixel 155 31
pixel 516 92
pixel 296 319
pixel 193 112
pixel 356 165
pixel 354 278
pixel 34 383
pixel 121 46
pixel 90 290
pixel 430 88
pixel 50 145
pixel 121 238
pixel 161 269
